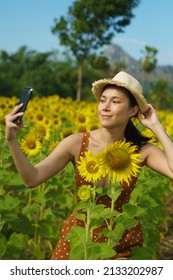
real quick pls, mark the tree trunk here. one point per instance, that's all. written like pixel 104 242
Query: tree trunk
pixel 79 84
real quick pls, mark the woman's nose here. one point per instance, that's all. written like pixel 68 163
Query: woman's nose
pixel 106 106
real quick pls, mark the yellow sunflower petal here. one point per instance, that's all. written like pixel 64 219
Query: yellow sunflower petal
pixel 120 161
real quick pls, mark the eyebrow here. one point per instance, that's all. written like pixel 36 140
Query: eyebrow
pixel 113 97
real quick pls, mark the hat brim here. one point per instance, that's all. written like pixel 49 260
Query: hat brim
pixel 98 86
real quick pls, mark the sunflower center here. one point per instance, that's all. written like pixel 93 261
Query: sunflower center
pixel 81 118
pixel 31 144
pixel 91 166
pixel 118 159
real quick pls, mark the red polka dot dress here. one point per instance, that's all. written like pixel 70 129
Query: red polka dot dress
pixel 131 238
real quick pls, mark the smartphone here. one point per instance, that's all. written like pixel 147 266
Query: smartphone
pixel 26 95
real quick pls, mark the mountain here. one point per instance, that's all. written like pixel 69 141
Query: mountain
pixel 117 55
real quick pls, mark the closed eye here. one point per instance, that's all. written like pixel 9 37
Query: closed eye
pixel 102 100
pixel 116 101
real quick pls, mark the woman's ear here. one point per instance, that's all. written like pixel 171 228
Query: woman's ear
pixel 134 111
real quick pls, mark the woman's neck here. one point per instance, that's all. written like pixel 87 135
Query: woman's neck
pixel 110 136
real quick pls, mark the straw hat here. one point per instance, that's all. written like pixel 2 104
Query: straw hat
pixel 122 79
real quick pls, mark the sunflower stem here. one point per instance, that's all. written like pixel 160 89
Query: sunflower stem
pixel 87 231
pixel 111 215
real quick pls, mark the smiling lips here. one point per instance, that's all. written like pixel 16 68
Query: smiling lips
pixel 106 116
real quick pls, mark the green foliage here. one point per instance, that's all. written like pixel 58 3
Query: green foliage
pixel 90 25
pixel 149 62
pixel 45 72
pixel 149 196
pixel 30 219
pixel 146 203
pixel 160 95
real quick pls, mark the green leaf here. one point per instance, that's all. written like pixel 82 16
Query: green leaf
pixel 148 202
pixel 115 234
pixel 114 191
pixel 3 244
pixel 127 221
pixel 22 224
pixel 76 235
pixel 77 252
pixel 80 216
pixel 8 203
pixel 139 253
pixel 45 229
pixel 81 205
pixel 100 251
pixel 133 210
pixel 99 190
pixel 17 240
pixel 36 251
pixel 96 223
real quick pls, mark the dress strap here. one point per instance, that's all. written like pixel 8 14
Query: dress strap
pixel 84 147
pixel 85 143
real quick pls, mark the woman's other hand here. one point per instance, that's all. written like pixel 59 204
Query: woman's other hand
pixel 149 119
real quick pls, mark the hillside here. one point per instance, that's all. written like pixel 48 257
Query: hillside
pixel 115 53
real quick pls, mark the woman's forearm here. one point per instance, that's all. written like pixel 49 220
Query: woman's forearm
pixel 27 171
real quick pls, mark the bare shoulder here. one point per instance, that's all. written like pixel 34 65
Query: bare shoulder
pixel 147 150
pixel 71 145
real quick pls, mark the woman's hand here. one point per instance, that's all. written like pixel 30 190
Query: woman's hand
pixel 149 119
pixel 11 127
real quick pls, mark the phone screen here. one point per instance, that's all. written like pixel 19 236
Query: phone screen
pixel 26 94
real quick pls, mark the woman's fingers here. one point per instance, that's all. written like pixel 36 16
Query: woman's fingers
pixel 14 114
pixel 11 117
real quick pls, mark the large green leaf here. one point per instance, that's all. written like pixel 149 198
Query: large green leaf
pixel 133 210
pixel 8 203
pixel 17 240
pixel 3 244
pixel 22 224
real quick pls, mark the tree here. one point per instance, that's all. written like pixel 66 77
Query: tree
pixel 149 62
pixel 160 95
pixel 42 71
pixel 90 25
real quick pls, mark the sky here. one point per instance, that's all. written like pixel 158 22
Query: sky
pixel 29 22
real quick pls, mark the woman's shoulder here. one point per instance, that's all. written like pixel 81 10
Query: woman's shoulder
pixel 147 150
pixel 72 139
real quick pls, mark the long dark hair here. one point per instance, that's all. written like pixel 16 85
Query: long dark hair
pixel 132 134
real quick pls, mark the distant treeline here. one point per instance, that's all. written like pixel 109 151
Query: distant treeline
pixel 48 73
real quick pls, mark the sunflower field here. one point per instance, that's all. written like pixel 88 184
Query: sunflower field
pixel 31 219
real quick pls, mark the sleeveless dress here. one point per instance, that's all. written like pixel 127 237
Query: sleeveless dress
pixel 131 238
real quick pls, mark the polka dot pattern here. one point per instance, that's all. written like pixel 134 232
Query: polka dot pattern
pixel 130 238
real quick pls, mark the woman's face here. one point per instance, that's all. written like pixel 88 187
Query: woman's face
pixel 114 108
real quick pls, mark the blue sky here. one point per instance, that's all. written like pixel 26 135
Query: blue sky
pixel 29 22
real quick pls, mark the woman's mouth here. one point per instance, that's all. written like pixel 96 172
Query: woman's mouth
pixel 106 116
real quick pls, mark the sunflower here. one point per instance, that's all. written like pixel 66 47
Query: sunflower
pixel 42 132
pixel 53 145
pixel 66 132
pixel 85 192
pixel 148 133
pixel 30 145
pixel 120 161
pixel 89 167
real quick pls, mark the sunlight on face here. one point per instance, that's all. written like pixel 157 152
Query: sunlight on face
pixel 114 107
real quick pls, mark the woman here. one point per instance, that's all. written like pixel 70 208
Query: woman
pixel 120 99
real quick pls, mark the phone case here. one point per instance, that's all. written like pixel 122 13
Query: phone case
pixel 24 99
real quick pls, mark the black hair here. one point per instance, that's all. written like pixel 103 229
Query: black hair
pixel 132 134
